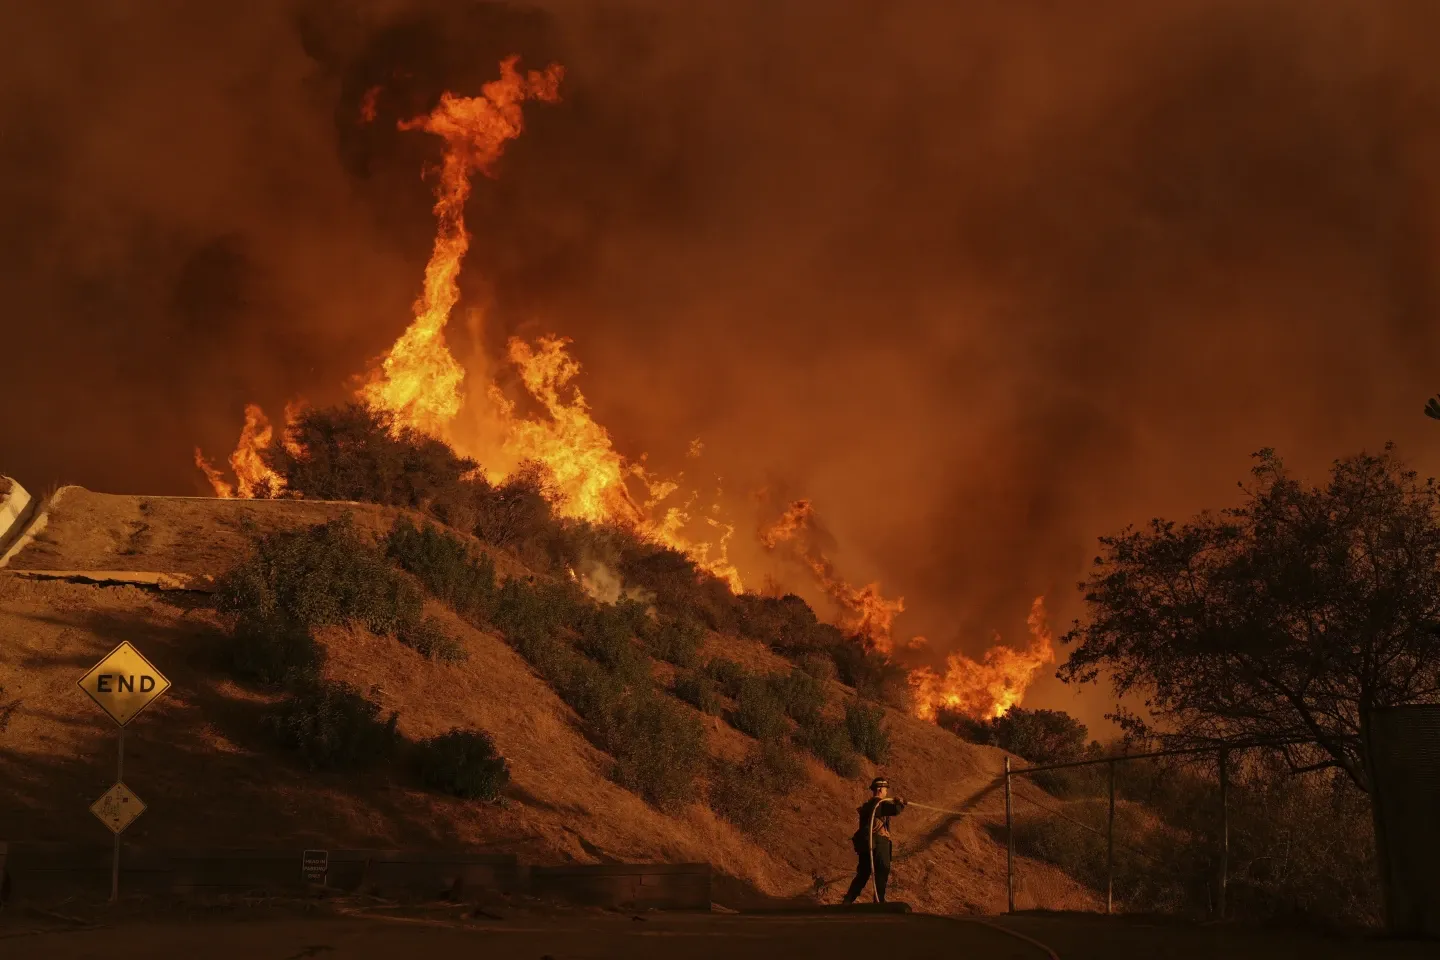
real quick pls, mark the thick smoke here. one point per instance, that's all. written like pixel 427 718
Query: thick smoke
pixel 981 281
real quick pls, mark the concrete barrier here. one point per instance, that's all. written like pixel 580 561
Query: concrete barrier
pixel 662 886
pixel 42 870
pixel 17 508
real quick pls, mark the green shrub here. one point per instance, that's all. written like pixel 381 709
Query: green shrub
pixel 598 695
pixel 781 768
pixel 801 696
pixel 698 690
pixel 355 452
pixel 759 711
pixel 736 794
pixel 606 635
pixel 327 574
pixel 430 639
pixel 273 651
pixel 659 750
pixel 518 517
pixel 462 763
pixel 332 725
pixel 677 640
pixel 873 675
pixel 447 566
pixel 829 741
pixel 744 793
pixel 525 608
pixel 866 726
pixel 818 665
pixel 7 709
pixel 727 674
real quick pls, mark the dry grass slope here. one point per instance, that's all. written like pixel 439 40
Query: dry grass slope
pixel 201 762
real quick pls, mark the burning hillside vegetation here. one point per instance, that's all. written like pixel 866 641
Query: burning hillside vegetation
pixel 421 388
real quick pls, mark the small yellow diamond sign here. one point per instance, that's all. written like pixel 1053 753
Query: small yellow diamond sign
pixel 124 683
pixel 118 808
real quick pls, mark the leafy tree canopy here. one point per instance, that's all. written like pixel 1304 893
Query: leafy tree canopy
pixel 1287 617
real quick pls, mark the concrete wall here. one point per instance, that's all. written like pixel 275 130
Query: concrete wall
pixel 661 886
pixel 46 870
pixel 42 870
pixel 16 508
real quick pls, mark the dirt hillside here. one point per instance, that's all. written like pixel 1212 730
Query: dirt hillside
pixel 199 758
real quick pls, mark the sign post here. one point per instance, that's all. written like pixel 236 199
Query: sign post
pixel 122 684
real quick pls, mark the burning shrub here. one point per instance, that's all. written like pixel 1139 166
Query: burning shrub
pixel 429 639
pixel 676 640
pixel 866 726
pixel 759 712
pixel 727 674
pixel 680 588
pixel 447 566
pixel 273 650
pixel 332 725
pixel 801 696
pixel 698 690
pixel 829 741
pixel 462 763
pixel 327 574
pixel 659 750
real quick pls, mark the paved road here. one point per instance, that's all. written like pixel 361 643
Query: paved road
pixel 691 937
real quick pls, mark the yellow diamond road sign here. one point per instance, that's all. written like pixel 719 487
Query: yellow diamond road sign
pixel 124 683
pixel 118 808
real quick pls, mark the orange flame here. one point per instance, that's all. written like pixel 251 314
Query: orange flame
pixel 367 105
pixel 986 689
pixel 253 477
pixel 864 611
pixel 419 380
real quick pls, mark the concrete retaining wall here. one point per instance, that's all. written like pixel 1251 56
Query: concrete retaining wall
pixel 16 509
pixel 661 886
pixel 41 870
pixel 46 870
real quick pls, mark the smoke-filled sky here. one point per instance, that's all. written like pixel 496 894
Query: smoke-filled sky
pixel 983 281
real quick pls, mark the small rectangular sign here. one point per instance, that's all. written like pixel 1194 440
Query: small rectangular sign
pixel 315 865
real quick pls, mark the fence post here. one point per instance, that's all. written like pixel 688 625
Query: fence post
pixel 1224 833
pixel 1110 848
pixel 1009 845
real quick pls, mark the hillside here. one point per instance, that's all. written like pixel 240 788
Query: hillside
pixel 200 760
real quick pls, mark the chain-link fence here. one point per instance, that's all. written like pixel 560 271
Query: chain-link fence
pixel 1197 834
